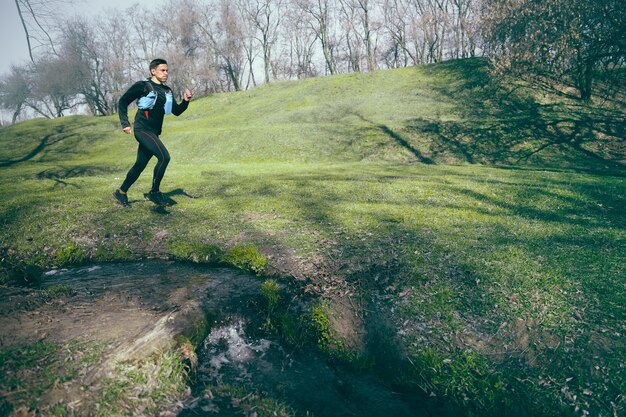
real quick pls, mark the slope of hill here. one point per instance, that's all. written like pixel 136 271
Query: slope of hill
pixel 467 234
pixel 451 113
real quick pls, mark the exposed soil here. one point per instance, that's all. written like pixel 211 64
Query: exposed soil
pixel 131 309
pixel 136 309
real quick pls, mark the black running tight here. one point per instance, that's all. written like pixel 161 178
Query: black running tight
pixel 149 145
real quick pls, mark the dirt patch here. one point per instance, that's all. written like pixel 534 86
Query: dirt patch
pixel 129 310
pixel 346 319
pixel 319 276
pixel 520 338
pixel 253 216
pixel 114 310
pixel 159 241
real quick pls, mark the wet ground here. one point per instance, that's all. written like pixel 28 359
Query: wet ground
pixel 304 380
pixel 138 307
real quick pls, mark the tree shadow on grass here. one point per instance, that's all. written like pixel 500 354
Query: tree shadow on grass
pixel 399 140
pixel 59 175
pixel 46 142
pixel 382 263
pixel 161 210
pixel 504 125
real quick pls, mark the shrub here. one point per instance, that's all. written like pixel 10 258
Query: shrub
pixel 70 255
pixel 247 258
pixel 195 252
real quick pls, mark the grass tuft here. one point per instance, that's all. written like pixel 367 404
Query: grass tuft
pixel 195 252
pixel 247 258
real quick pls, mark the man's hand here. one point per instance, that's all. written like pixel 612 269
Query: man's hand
pixel 127 130
pixel 187 95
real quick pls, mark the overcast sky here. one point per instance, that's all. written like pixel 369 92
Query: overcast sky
pixel 13 47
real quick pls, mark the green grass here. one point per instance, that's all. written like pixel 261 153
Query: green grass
pixel 145 386
pixel 29 371
pixel 239 400
pixel 487 215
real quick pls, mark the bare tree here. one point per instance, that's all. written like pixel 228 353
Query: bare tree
pixel 351 34
pixel 53 87
pixel 147 37
pixel 321 14
pixel 231 43
pixel 299 43
pixel 15 89
pixel 365 17
pixel 79 47
pixel 398 15
pixel 182 41
pixel 265 16
pixel 359 33
pixel 115 49
pixel 462 10
pixel 249 35
pixel 37 18
pixel 435 26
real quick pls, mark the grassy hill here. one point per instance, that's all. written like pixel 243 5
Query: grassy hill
pixel 466 232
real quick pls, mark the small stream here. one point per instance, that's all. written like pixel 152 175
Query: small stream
pixel 303 379
pixel 238 352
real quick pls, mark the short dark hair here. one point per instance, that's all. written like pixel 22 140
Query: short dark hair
pixel 156 62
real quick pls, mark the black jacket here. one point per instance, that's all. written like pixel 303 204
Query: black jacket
pixel 150 119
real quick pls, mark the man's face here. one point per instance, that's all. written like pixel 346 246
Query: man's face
pixel 160 72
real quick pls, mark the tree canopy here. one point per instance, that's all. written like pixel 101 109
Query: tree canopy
pixel 223 45
pixel 566 38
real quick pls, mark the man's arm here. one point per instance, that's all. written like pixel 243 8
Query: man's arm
pixel 178 109
pixel 133 93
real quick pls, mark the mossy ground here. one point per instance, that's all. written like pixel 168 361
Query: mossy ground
pixel 485 219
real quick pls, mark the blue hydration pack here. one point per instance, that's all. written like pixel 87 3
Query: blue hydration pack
pixel 147 102
pixel 168 102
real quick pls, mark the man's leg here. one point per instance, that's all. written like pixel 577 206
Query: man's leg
pixel 143 156
pixel 152 142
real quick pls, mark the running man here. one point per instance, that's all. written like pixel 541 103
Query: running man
pixel 155 100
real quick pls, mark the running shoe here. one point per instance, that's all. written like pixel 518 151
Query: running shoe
pixel 157 198
pixel 121 198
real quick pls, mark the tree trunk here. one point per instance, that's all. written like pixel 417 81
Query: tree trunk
pixel 585 81
pixel 584 73
pixel 266 59
pixel 327 55
pixel 371 60
pixel 233 77
pixel 16 114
